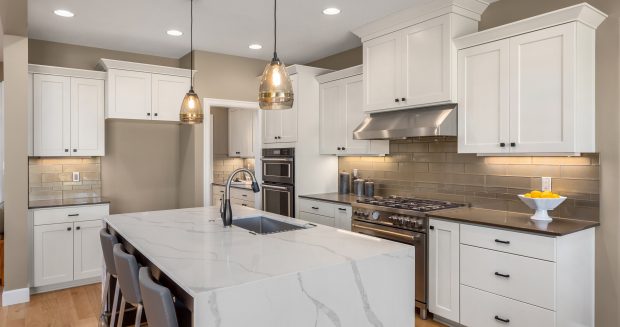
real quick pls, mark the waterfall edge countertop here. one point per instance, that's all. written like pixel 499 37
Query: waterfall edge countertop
pixel 39 204
pixel 315 276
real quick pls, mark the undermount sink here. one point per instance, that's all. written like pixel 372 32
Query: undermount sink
pixel 264 225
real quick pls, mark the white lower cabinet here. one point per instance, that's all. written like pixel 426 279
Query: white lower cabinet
pixel 238 196
pixel 326 213
pixel 483 276
pixel 65 244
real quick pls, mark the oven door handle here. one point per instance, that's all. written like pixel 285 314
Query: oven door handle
pixel 284 188
pixel 277 159
pixel 383 233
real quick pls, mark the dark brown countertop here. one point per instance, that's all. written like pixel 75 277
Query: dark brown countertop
pixel 333 197
pixel 65 202
pixel 514 221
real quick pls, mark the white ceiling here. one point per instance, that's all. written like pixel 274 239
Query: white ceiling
pixel 140 26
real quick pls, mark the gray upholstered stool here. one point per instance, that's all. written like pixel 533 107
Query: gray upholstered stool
pixel 127 271
pixel 158 304
pixel 107 244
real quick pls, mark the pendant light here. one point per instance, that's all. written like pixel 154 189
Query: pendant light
pixel 275 91
pixel 191 108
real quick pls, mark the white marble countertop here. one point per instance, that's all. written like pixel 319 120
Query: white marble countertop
pixel 193 248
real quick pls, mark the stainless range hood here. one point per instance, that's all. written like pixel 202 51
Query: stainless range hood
pixel 428 121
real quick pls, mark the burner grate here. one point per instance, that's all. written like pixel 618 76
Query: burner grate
pixel 414 204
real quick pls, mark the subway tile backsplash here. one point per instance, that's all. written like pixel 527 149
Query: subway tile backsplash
pixel 433 169
pixel 51 178
pixel 223 166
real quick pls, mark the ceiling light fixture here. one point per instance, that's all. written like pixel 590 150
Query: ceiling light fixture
pixel 255 46
pixel 64 13
pixel 174 33
pixel 191 108
pixel 275 91
pixel 331 11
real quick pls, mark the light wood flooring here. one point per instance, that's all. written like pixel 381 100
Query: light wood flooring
pixel 76 307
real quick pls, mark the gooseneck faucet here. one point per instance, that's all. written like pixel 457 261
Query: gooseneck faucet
pixel 225 208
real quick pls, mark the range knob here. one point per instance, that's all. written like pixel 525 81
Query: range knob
pixel 375 215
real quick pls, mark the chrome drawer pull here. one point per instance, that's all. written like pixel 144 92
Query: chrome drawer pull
pixel 315 208
pixel 73 214
pixel 502 242
pixel 502 275
pixel 498 318
pixel 342 209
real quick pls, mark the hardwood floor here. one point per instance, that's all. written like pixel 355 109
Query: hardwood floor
pixel 76 307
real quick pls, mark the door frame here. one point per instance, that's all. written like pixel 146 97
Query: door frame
pixel 208 143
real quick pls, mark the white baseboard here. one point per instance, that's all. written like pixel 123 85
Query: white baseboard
pixel 20 295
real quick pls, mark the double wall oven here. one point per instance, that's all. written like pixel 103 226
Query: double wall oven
pixel 279 181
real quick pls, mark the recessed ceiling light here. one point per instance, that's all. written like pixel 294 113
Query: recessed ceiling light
pixel 255 46
pixel 331 11
pixel 174 33
pixel 64 13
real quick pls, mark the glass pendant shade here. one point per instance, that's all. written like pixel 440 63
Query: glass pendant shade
pixel 276 90
pixel 191 109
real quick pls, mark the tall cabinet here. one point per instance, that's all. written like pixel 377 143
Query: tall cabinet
pixel 280 126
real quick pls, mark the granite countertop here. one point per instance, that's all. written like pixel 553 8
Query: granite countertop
pixel 333 197
pixel 241 186
pixel 66 202
pixel 514 220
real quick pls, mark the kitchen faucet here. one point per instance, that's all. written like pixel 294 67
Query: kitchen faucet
pixel 225 208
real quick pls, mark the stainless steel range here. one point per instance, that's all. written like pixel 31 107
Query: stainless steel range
pixel 402 220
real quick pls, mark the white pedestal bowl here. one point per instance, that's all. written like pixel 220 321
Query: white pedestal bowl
pixel 541 205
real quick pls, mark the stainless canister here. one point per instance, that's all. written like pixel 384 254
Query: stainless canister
pixel 344 183
pixel 358 187
pixel 369 188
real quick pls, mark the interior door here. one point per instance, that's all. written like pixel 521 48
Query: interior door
pixel 53 254
pixel 483 113
pixel 129 94
pixel 87 249
pixel 354 115
pixel 541 85
pixel 382 75
pixel 332 118
pixel 426 62
pixel 289 117
pixel 168 93
pixel 52 115
pixel 87 117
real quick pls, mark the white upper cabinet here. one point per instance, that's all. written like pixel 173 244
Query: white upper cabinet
pixel 528 87
pixel 146 92
pixel 67 112
pixel 280 126
pixel 341 112
pixel 240 133
pixel 409 57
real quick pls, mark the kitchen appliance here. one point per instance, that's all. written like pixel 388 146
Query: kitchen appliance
pixel 358 187
pixel 369 188
pixel 403 220
pixel 279 181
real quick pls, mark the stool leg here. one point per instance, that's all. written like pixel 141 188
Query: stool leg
pixel 138 315
pixel 106 287
pixel 114 304
pixel 121 313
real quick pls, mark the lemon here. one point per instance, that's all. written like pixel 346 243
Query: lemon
pixel 536 194
pixel 527 195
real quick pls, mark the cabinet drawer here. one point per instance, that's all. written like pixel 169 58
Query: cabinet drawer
pixel 480 309
pixel 241 194
pixel 69 214
pixel 535 246
pixel 317 207
pixel 317 219
pixel 517 277
pixel 242 202
pixel 217 189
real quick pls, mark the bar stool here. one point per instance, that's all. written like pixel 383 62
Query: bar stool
pixel 158 304
pixel 107 244
pixel 127 270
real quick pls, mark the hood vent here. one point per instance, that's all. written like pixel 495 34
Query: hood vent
pixel 418 122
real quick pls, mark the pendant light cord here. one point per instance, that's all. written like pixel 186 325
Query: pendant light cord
pixel 191 44
pixel 275 30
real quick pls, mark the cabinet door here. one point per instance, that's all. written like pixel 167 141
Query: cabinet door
pixel 240 133
pixel 426 62
pixel 87 250
pixel 443 269
pixel 52 115
pixel 352 104
pixel 53 254
pixel 382 72
pixel 542 85
pixel 332 118
pixel 129 94
pixel 87 117
pixel 168 93
pixel 272 126
pixel 343 217
pixel 483 113
pixel 288 125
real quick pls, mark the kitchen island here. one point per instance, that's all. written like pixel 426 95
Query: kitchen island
pixel 315 276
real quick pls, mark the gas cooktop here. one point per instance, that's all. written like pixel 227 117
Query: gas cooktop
pixel 414 204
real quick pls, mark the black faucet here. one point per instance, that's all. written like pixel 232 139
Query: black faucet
pixel 225 208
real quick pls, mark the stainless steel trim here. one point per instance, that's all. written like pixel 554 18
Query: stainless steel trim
pixel 375 207
pixel 387 232
pixel 275 187
pixel 280 189
pixel 278 159
pixel 279 176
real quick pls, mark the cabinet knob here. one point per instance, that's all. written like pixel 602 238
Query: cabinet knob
pixel 403 99
pixel 502 144
pixel 343 148
pixel 431 227
pixel 74 150
pixel 156 114
pixel 68 228
pixel 315 208
pixel 513 144
pixel 148 113
pixel 77 228
pixel 66 150
pixel 396 100
pixel 338 148
pixel 238 152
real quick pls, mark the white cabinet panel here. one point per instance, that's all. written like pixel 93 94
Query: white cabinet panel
pixel 168 93
pixel 240 133
pixel 289 118
pixel 53 254
pixel 382 72
pixel 353 96
pixel 87 117
pixel 343 217
pixel 272 125
pixel 484 98
pixel 542 90
pixel 443 269
pixel 332 118
pixel 129 95
pixel 87 250
pixel 52 112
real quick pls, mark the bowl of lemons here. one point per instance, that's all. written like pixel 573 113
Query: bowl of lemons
pixel 542 202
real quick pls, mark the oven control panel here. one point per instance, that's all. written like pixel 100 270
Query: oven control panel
pixel 388 218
